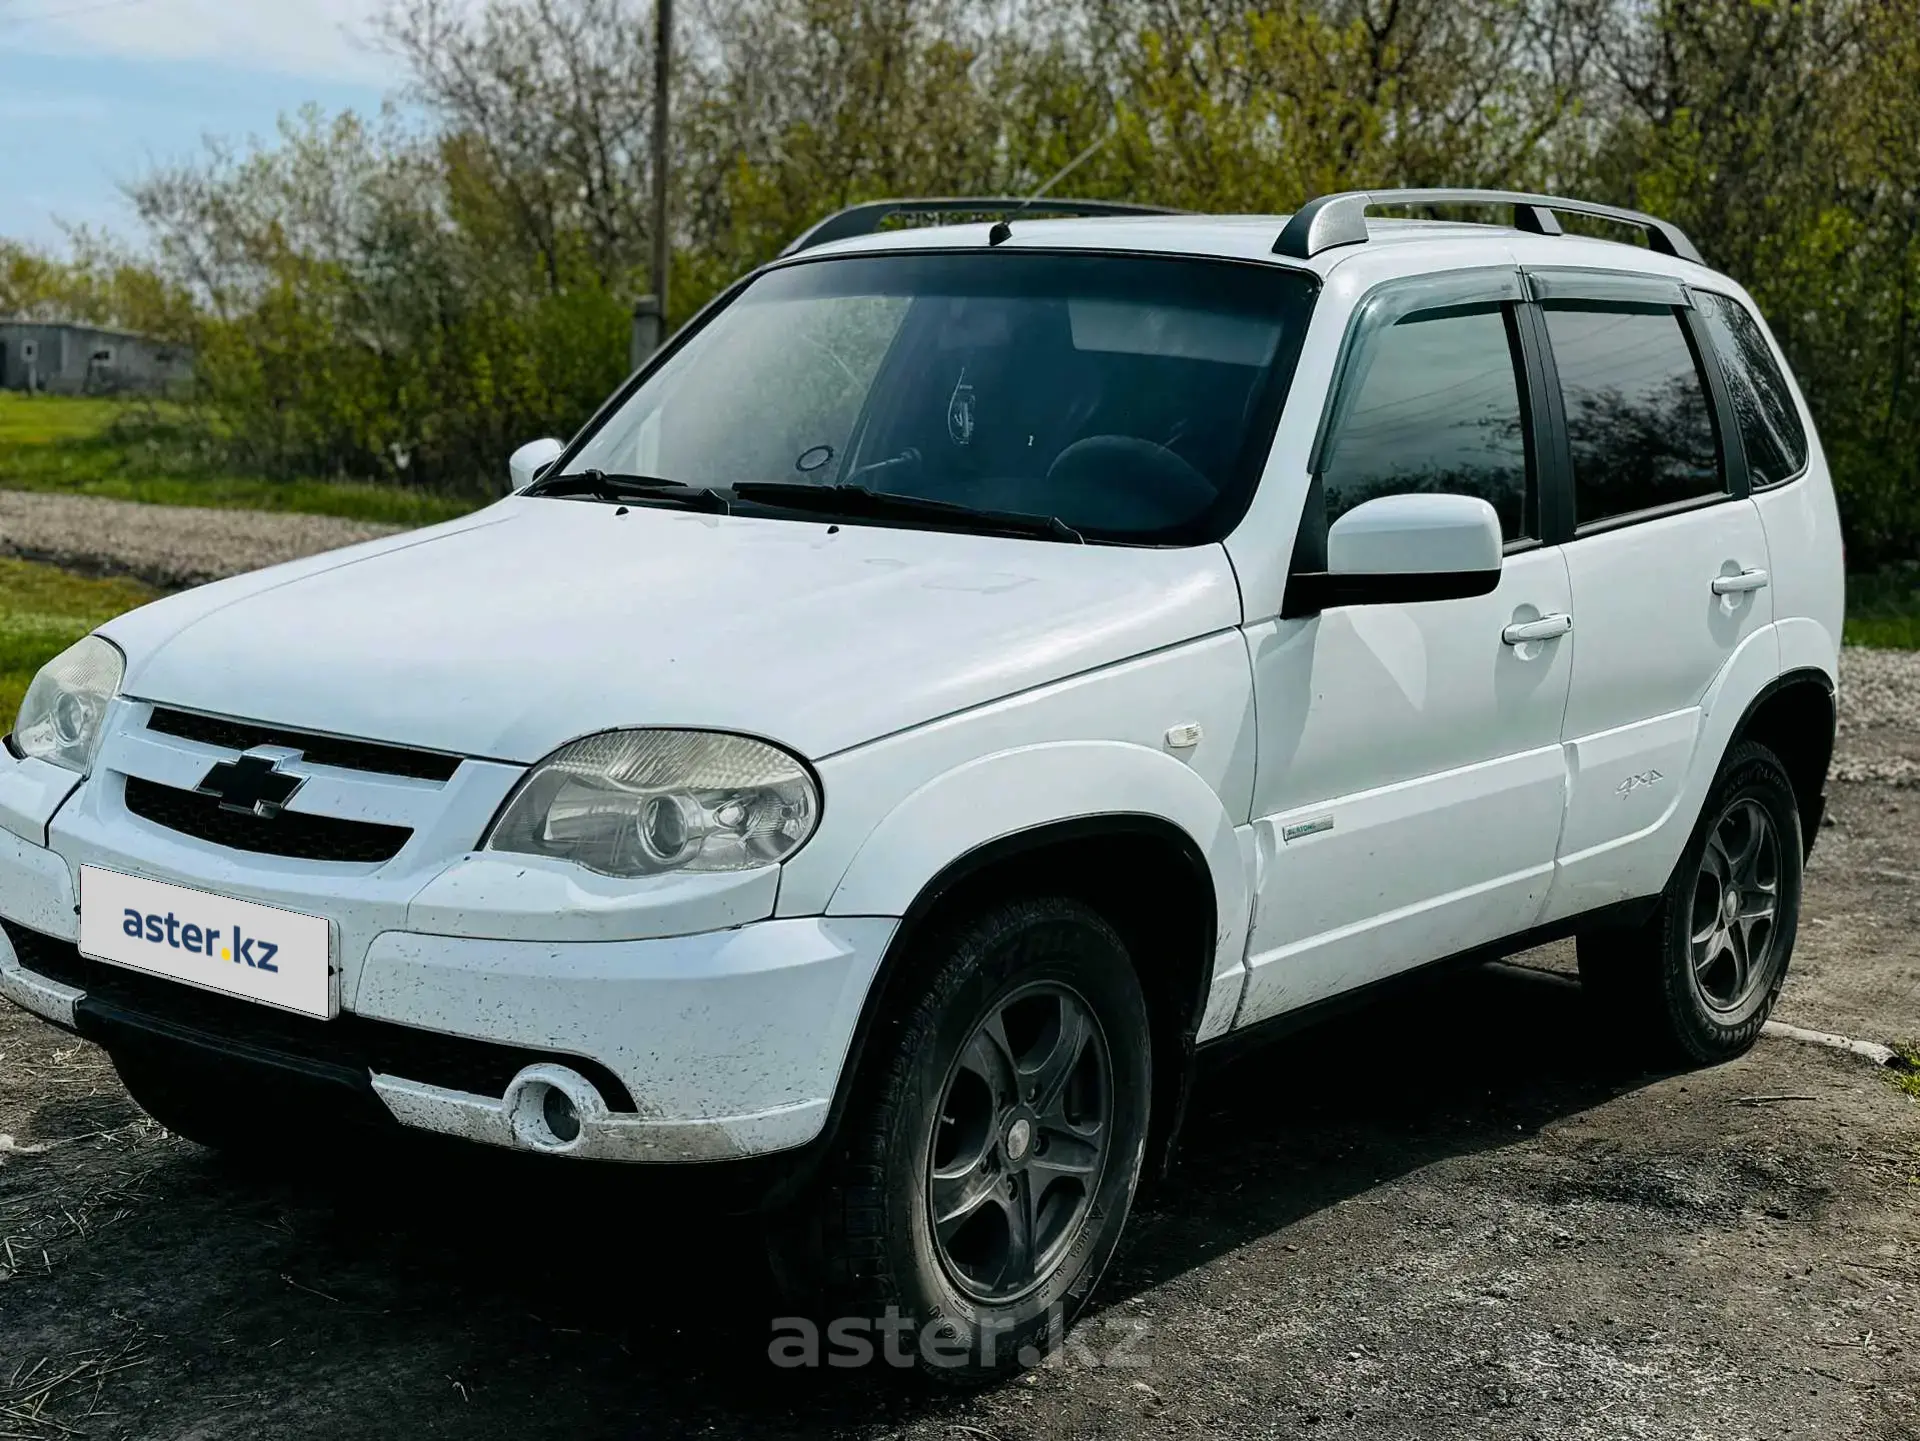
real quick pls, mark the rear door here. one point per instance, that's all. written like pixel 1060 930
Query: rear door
pixel 1668 563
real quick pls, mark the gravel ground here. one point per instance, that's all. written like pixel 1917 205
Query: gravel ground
pixel 1453 1214
pixel 168 546
pixel 1879 717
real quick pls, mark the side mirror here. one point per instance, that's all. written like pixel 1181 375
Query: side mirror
pixel 1402 548
pixel 526 463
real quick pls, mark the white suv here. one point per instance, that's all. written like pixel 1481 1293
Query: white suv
pixel 970 673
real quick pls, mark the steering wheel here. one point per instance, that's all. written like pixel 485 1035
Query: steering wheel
pixel 1125 483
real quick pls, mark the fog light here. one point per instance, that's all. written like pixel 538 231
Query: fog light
pixel 553 1109
pixel 556 1108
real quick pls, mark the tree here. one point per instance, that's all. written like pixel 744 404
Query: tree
pixel 389 298
pixel 98 283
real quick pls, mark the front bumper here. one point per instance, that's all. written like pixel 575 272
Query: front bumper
pixel 705 1047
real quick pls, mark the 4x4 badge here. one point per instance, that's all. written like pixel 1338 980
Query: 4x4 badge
pixel 1633 783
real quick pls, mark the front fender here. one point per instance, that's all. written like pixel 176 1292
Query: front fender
pixel 1004 794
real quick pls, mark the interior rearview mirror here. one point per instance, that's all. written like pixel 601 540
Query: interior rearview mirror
pixel 1402 548
pixel 526 463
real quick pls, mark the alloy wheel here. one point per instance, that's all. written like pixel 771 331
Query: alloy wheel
pixel 1021 1141
pixel 1736 899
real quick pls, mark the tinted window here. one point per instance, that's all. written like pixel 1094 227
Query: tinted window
pixel 1434 406
pixel 1770 429
pixel 1638 417
pixel 1133 398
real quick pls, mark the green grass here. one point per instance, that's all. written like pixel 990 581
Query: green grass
pixel 1883 608
pixel 142 451
pixel 43 610
pixel 1906 1075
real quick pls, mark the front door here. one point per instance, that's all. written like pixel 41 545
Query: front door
pixel 1410 783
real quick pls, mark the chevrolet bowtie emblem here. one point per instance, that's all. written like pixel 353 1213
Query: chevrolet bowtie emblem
pixel 251 786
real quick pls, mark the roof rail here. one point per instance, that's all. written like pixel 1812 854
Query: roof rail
pixel 1341 219
pixel 868 218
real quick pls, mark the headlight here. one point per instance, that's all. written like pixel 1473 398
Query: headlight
pixel 640 802
pixel 66 706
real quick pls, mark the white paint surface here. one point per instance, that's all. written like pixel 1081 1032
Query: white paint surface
pixel 1369 788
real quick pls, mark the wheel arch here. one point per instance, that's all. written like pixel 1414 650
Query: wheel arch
pixel 1149 877
pixel 1094 859
pixel 1795 716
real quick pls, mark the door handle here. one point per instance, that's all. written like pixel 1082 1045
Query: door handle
pixel 1548 627
pixel 1735 584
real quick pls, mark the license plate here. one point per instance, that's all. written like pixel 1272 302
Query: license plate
pixel 239 948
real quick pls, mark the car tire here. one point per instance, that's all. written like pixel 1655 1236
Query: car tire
pixel 1008 1097
pixel 1697 980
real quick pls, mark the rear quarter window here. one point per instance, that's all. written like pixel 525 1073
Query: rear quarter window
pixel 1770 429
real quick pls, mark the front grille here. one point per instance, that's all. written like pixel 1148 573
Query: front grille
pixel 321 750
pixel 288 833
pixel 481 1068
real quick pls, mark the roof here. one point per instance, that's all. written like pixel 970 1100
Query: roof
pixel 16 322
pixel 1251 238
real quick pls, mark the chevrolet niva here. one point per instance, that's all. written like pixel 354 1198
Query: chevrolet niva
pixel 969 674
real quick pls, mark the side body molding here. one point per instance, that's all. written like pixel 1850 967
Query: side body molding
pixel 1001 795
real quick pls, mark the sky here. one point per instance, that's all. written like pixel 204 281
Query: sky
pixel 95 92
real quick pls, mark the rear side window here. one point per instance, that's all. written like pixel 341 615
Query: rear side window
pixel 1435 406
pixel 1638 419
pixel 1770 430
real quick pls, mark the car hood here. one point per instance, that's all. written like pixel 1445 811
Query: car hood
pixel 537 620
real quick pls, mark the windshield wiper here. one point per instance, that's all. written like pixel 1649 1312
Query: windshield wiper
pixel 612 485
pixel 857 500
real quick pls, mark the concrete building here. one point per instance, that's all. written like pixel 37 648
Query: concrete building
pixel 65 359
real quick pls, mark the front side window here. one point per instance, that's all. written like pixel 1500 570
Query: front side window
pixel 1435 404
pixel 1130 398
pixel 1770 430
pixel 1638 418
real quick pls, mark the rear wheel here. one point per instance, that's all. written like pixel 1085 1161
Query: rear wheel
pixel 1697 981
pixel 988 1167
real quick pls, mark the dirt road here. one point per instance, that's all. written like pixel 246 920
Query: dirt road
pixel 1452 1216
pixel 165 545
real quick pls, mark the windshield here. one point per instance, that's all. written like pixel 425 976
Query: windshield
pixel 1130 398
